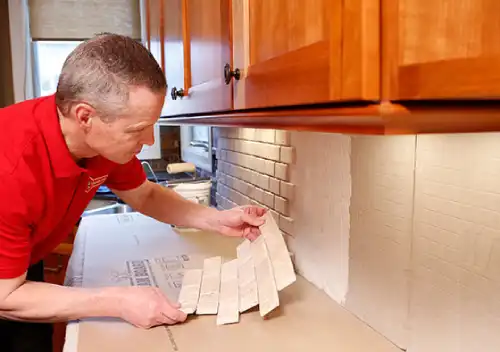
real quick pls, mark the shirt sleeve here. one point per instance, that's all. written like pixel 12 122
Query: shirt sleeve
pixel 15 229
pixel 127 176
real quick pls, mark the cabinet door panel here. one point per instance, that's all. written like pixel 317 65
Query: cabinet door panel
pixel 174 52
pixel 154 24
pixel 202 29
pixel 440 49
pixel 289 51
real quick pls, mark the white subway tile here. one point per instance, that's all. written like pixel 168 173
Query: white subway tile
pixel 263 181
pixel 258 195
pixel 247 133
pixel 286 224
pixel 268 199
pixel 281 205
pixel 267 136
pixel 270 151
pixel 287 190
pixel 287 155
pixel 232 132
pixel 283 137
pixel 223 132
pixel 275 215
pixel 268 167
pixel 281 171
pixel 274 185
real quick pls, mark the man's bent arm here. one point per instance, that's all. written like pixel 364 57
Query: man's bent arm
pixel 164 204
pixel 42 302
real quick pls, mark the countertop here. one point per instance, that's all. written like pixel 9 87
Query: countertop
pixel 307 318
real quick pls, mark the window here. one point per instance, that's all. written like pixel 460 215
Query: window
pixel 196 146
pixel 49 59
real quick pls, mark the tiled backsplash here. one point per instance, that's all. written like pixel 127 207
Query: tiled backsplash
pixel 170 148
pixel 403 231
pixel 253 168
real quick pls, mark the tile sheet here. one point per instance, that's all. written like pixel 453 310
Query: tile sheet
pixel 267 292
pixel 210 286
pixel 228 300
pixel 190 290
pixel 248 297
pixel 283 270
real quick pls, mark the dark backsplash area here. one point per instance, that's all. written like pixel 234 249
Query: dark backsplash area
pixel 171 153
pixel 170 148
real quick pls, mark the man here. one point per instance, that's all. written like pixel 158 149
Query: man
pixel 54 153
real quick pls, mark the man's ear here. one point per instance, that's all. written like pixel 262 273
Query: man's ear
pixel 84 114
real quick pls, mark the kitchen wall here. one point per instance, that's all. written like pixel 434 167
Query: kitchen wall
pixel 170 148
pixel 403 231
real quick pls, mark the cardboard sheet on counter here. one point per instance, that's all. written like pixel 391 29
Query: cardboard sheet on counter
pixel 307 318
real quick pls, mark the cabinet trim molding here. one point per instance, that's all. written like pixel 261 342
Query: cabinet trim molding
pixel 363 118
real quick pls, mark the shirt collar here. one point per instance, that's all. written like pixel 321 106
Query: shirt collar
pixel 61 161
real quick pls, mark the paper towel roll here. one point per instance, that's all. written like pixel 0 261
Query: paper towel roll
pixel 180 167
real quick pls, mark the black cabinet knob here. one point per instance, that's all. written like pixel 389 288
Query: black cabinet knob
pixel 228 74
pixel 176 93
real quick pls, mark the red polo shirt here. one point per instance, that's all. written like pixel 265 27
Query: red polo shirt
pixel 43 191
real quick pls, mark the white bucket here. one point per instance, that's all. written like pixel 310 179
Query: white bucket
pixel 198 192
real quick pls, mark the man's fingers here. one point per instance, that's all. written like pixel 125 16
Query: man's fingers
pixel 255 211
pixel 260 211
pixel 166 320
pixel 251 233
pixel 171 310
pixel 252 219
pixel 173 314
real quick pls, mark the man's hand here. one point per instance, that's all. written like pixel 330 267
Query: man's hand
pixel 166 205
pixel 238 222
pixel 146 307
pixel 43 302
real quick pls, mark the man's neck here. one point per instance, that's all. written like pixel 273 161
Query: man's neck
pixel 76 146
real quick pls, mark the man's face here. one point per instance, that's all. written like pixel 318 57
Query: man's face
pixel 120 139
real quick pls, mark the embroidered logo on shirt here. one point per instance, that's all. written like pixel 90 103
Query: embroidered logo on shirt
pixel 95 182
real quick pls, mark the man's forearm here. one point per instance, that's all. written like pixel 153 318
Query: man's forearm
pixel 166 205
pixel 43 302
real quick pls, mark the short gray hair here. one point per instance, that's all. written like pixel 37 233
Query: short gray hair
pixel 101 70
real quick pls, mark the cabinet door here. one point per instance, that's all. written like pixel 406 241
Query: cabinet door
pixel 441 49
pixel 197 47
pixel 288 52
pixel 154 23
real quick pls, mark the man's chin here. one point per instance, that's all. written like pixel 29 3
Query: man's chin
pixel 121 160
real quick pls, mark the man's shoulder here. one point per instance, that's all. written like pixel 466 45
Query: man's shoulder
pixel 19 133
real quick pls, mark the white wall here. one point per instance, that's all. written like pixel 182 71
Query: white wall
pixel 321 174
pixel 455 298
pixel 381 232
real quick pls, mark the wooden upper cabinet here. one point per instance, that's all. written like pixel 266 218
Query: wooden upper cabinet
pixel 441 49
pixel 288 52
pixel 197 47
pixel 154 35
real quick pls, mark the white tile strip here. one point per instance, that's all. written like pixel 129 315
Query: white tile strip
pixel 268 294
pixel 284 273
pixel 228 300
pixel 246 278
pixel 210 286
pixel 190 291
